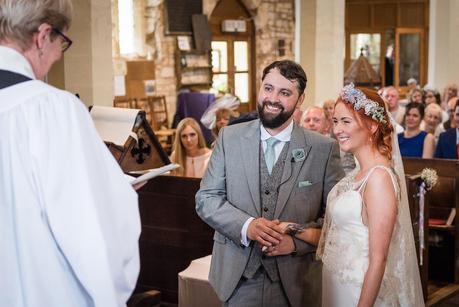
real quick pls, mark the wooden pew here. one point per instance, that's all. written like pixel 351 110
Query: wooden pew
pixel 441 260
pixel 172 233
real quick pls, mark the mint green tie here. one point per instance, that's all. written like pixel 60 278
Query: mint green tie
pixel 270 154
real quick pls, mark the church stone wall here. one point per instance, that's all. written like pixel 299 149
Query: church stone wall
pixel 161 48
pixel 274 21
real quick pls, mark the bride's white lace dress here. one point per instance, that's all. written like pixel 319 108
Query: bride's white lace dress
pixel 344 250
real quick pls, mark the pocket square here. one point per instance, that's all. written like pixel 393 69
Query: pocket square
pixel 304 183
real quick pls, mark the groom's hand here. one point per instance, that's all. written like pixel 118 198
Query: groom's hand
pixel 286 247
pixel 265 232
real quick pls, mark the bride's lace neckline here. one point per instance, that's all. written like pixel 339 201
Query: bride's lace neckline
pixel 351 183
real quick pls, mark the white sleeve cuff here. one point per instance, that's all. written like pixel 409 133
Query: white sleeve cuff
pixel 244 240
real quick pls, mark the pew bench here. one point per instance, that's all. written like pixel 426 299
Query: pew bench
pixel 441 241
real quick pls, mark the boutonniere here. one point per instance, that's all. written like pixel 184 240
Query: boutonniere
pixel 298 154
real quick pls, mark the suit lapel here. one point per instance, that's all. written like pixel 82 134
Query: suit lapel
pixel 250 154
pixel 292 168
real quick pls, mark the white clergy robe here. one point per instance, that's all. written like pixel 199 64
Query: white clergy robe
pixel 69 220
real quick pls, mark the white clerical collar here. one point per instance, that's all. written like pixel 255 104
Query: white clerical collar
pixel 12 60
pixel 283 136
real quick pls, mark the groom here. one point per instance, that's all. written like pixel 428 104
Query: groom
pixel 261 172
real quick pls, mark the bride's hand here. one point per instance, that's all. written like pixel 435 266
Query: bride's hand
pixel 283 226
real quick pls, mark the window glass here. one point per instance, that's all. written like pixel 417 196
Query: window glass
pixel 219 56
pixel 241 86
pixel 126 27
pixel 410 59
pixel 220 82
pixel 241 56
pixel 370 45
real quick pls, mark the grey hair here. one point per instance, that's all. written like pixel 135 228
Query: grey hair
pixel 434 107
pixel 20 19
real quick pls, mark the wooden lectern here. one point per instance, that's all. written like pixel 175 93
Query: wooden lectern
pixel 141 149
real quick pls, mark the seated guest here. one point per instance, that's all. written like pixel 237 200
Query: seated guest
pixel 433 96
pixel 449 92
pixel 329 106
pixel 413 141
pixel 391 97
pixel 450 108
pixel 448 142
pixel 222 118
pixel 416 95
pixel 190 150
pixel 315 119
pixel 432 120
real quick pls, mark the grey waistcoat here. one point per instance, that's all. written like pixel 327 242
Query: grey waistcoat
pixel 269 188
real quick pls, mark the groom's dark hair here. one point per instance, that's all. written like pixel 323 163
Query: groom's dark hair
pixel 290 70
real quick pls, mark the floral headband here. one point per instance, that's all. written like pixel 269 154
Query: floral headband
pixel 358 99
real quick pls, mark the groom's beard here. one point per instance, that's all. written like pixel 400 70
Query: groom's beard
pixel 273 121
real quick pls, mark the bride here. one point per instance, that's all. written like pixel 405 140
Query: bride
pixel 366 245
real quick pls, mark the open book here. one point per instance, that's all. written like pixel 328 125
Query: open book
pixel 151 173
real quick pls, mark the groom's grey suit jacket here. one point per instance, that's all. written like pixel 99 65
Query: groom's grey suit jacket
pixel 230 194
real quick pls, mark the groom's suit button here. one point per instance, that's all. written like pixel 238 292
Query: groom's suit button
pixel 267 192
pixel 265 209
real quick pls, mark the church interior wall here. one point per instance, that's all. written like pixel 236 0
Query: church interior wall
pixel 274 21
pixel 88 67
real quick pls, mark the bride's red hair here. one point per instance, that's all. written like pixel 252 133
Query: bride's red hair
pixel 382 137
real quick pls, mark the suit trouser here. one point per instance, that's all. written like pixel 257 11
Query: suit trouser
pixel 258 291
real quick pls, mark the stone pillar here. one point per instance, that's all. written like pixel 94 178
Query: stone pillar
pixel 320 47
pixel 443 65
pixel 86 68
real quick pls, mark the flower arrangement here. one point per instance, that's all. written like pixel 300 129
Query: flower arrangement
pixel 429 177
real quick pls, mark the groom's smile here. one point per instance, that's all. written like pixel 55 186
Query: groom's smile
pixel 277 99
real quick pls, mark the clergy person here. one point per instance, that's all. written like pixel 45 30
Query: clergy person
pixel 69 219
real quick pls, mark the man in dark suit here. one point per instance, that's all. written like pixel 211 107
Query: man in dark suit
pixel 448 142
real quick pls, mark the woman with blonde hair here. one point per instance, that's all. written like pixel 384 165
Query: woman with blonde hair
pixel 450 91
pixel 329 106
pixel 432 120
pixel 189 150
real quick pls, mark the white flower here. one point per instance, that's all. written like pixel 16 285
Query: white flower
pixel 430 177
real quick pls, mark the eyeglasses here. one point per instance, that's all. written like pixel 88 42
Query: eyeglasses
pixel 66 42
